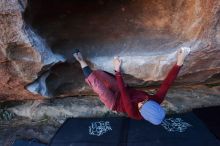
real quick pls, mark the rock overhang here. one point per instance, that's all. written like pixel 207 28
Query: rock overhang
pixel 146 34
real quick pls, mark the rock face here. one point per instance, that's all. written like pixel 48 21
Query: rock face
pixel 23 53
pixel 37 38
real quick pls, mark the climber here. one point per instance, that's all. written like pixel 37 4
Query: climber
pixel 119 97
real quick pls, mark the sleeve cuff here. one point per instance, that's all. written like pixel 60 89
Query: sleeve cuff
pixel 117 72
pixel 178 66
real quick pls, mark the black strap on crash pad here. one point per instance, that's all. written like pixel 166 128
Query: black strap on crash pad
pixel 124 132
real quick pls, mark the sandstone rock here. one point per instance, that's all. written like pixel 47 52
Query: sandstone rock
pixel 38 34
pixel 60 109
pixel 23 54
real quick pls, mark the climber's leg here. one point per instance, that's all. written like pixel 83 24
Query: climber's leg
pixel 96 81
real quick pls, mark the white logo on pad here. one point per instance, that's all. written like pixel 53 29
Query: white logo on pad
pixel 99 128
pixel 175 125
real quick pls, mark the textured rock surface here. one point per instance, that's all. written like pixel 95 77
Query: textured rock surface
pixel 36 35
pixel 23 128
pixel 60 109
pixel 146 34
pixel 23 53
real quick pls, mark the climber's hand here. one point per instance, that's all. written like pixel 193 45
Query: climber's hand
pixel 117 63
pixel 181 55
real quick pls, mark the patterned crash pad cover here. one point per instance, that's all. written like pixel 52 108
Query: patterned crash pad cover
pixel 175 130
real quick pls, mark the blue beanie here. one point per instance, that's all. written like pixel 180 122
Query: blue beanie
pixel 152 112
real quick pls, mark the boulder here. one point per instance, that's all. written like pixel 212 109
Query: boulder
pixel 38 36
